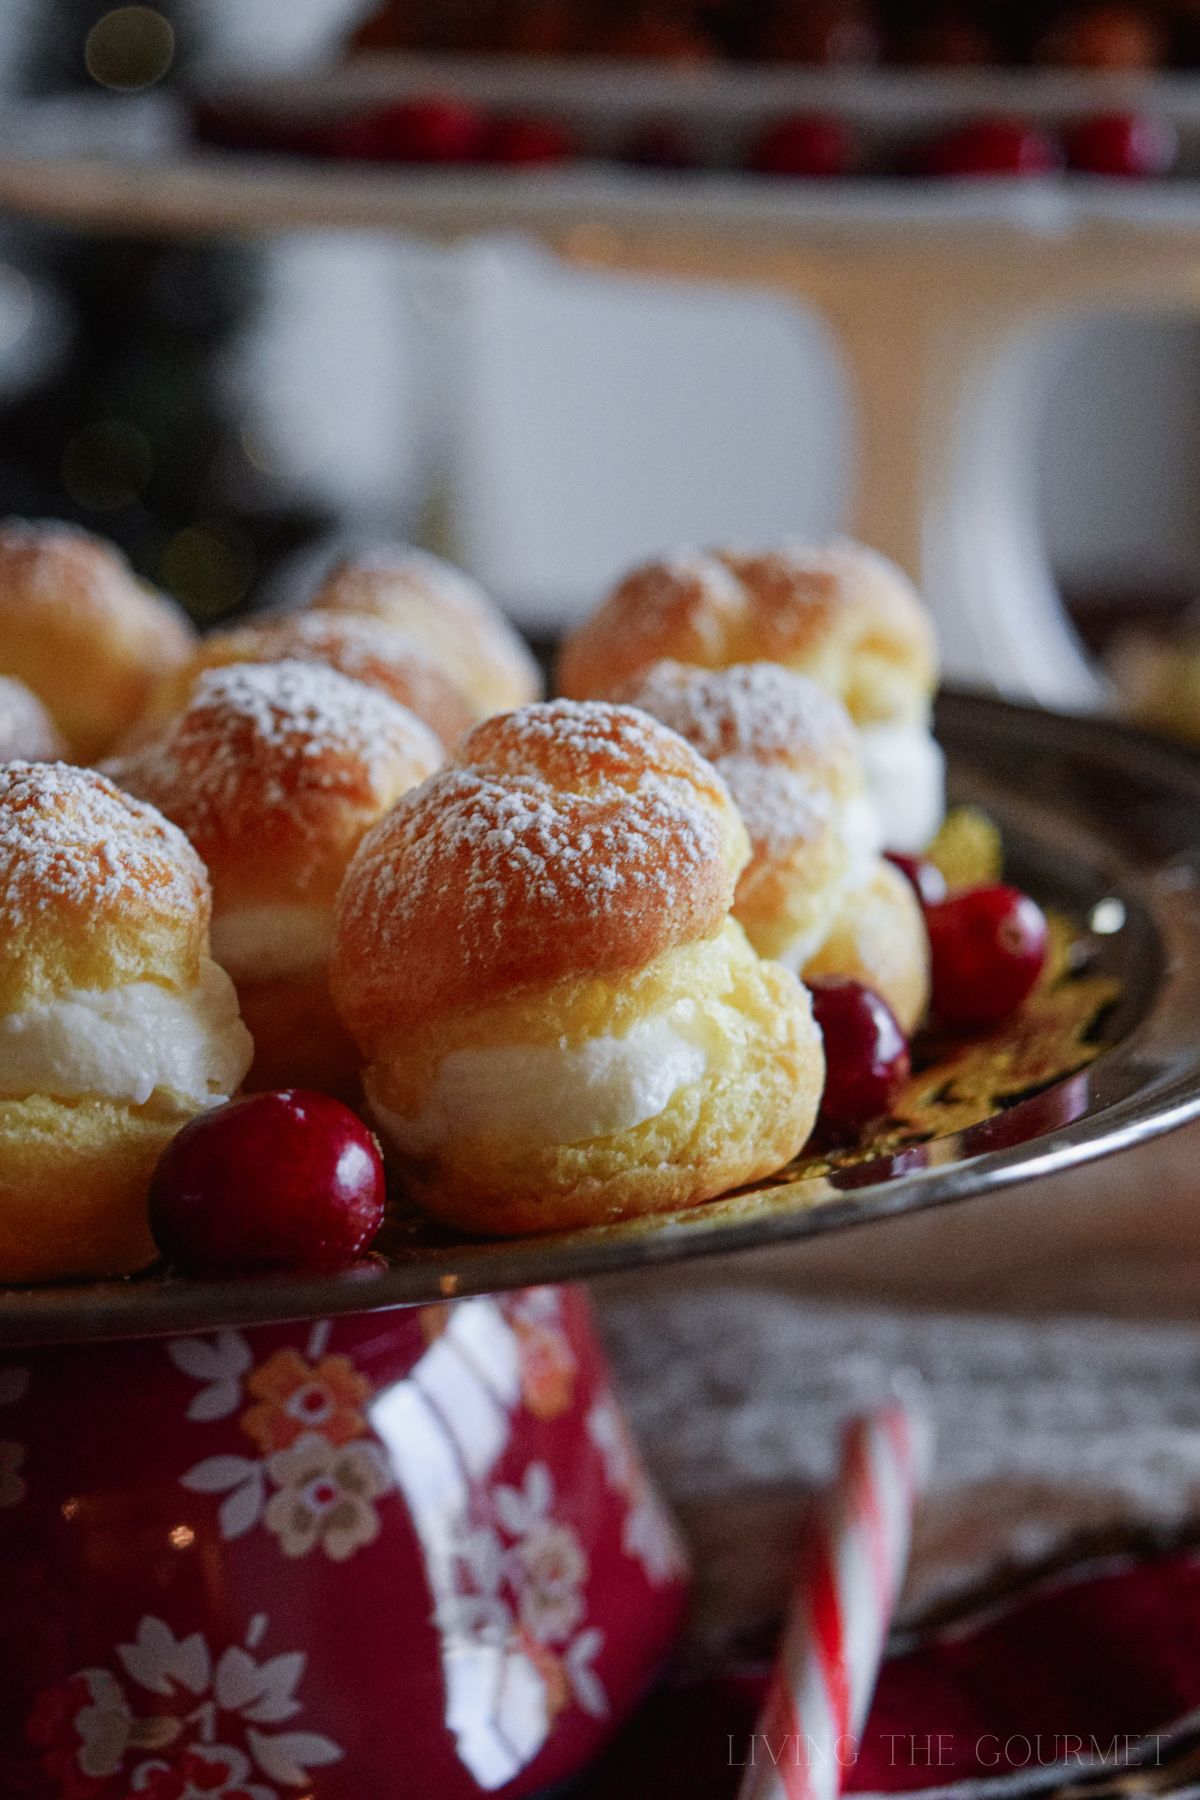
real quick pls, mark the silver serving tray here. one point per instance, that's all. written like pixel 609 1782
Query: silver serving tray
pixel 1099 821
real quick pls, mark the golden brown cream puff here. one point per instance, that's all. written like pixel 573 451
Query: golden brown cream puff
pixel 445 611
pixel 560 1021
pixel 115 1024
pixel 27 732
pixel 274 771
pixel 367 649
pixel 80 629
pixel 842 615
pixel 816 893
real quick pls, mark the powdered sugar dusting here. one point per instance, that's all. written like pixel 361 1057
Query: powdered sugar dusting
pixel 69 838
pixel 560 817
pixel 420 570
pixel 578 742
pixel 515 840
pixel 753 709
pixel 688 585
pixel 26 728
pixel 288 716
pixel 357 639
pixel 443 607
pixel 370 649
pixel 43 547
pixel 785 747
pixel 780 806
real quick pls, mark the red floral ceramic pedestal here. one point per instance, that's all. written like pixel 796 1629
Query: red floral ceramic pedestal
pixel 403 1554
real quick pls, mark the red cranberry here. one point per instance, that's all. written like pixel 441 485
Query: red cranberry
pixel 804 144
pixel 988 947
pixel 1122 144
pixel 436 129
pixel 866 1054
pixel 927 879
pixel 271 1181
pixel 992 147
pixel 528 142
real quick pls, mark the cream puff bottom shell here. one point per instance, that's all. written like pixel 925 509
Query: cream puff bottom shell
pixel 73 1181
pixel 715 1049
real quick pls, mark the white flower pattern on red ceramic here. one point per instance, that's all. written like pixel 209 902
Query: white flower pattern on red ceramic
pixel 647 1533
pixel 319 1474
pixel 180 1723
pixel 523 1579
pixel 546 1359
pixel 323 1496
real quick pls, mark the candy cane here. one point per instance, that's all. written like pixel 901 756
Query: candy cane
pixel 849 1580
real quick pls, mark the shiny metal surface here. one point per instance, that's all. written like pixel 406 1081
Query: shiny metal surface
pixel 1099 821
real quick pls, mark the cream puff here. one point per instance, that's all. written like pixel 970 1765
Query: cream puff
pixel 446 612
pixel 115 1024
pixel 368 650
pixel 560 1022
pixel 274 771
pixel 842 615
pixel 80 629
pixel 27 732
pixel 816 893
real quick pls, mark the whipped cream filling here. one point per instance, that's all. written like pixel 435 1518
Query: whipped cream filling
pixel 862 833
pixel 551 1094
pixel 130 1044
pixel 906 774
pixel 272 940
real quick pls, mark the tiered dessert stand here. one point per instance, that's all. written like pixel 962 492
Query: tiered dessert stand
pixel 386 1533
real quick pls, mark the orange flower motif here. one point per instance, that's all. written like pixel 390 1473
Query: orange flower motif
pixel 547 1367
pixel 294 1396
pixel 550 1668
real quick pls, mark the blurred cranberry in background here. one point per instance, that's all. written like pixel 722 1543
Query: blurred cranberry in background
pixel 428 129
pixel 991 147
pixel 529 142
pixel 821 31
pixel 1110 35
pixel 662 145
pixel 809 144
pixel 1122 144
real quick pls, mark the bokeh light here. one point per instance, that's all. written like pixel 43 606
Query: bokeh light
pixel 208 568
pixel 129 47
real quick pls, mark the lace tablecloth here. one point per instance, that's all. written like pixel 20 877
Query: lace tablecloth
pixel 1055 1435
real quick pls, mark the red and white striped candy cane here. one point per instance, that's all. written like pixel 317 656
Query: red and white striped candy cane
pixel 849 1580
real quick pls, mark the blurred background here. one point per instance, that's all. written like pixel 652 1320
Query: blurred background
pixel 228 406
